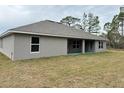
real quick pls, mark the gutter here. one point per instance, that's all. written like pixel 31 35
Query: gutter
pixel 45 34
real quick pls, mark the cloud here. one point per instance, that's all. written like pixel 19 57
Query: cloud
pixel 13 16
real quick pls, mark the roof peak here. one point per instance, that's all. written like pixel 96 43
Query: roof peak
pixel 53 21
pixel 52 28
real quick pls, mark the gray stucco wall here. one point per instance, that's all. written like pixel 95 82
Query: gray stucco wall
pixel 97 49
pixel 8 46
pixel 18 46
pixel 0 43
pixel 49 46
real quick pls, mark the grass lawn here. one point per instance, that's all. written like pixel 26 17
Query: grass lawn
pixel 89 70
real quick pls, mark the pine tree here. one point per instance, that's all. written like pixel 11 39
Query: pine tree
pixel 69 20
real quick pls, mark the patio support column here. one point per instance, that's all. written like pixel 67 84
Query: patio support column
pixel 83 46
pixel 96 46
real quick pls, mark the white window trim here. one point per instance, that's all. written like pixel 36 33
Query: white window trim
pixel 34 44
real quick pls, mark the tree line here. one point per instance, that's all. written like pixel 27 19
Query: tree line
pixel 88 23
pixel 91 23
pixel 114 36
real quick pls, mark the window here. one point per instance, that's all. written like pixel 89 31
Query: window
pixel 100 44
pixel 35 44
pixel 76 44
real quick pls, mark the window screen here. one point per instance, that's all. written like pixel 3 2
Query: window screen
pixel 35 40
pixel 35 44
pixel 76 44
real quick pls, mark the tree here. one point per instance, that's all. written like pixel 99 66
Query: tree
pixel 121 19
pixel 107 26
pixel 93 23
pixel 69 20
pixel 90 23
pixel 84 22
pixel 77 26
pixel 113 34
pixel 121 43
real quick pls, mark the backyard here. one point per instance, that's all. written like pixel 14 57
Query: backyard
pixel 84 70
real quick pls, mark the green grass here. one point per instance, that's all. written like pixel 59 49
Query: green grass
pixel 87 70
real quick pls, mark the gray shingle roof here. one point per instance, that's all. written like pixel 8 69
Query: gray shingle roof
pixel 52 28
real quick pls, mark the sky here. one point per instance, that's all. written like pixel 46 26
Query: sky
pixel 16 15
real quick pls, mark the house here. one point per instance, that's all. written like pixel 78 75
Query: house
pixel 48 38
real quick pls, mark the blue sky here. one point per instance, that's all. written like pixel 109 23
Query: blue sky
pixel 14 16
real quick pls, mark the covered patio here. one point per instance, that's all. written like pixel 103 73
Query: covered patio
pixel 80 46
pixel 89 46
